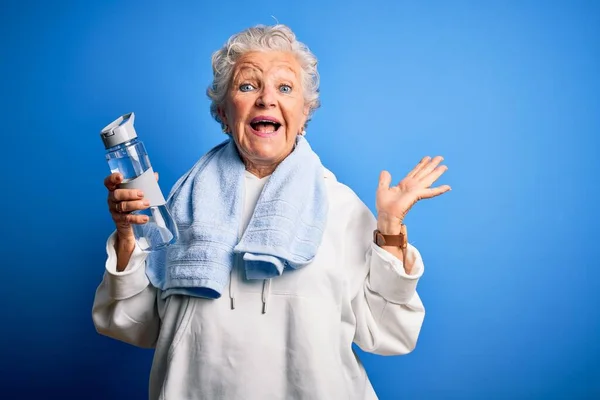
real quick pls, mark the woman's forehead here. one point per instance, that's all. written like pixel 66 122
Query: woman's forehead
pixel 259 63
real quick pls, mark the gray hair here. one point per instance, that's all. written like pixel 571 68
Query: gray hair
pixel 262 38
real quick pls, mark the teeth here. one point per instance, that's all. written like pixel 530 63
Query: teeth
pixel 275 125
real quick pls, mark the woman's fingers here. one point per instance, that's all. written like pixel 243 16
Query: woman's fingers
pixel 112 181
pixel 433 192
pixel 124 220
pixel 121 203
pixel 419 167
pixel 126 195
pixel 124 207
pixel 426 170
pixel 384 180
pixel 121 212
pixel 434 175
pixel 128 206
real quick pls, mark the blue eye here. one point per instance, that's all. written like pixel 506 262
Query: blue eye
pixel 285 89
pixel 246 87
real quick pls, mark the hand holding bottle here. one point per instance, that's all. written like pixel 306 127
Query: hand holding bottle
pixel 135 200
pixel 121 203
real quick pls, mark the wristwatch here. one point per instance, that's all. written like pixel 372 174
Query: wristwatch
pixel 400 240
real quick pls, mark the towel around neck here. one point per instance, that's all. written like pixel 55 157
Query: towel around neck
pixel 285 230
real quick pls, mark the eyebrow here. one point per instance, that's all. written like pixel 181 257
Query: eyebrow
pixel 252 71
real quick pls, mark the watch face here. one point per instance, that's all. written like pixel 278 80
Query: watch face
pixel 380 240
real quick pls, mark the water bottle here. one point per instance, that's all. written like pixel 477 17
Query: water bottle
pixel 127 155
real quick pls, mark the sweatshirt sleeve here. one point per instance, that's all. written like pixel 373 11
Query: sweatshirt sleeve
pixel 125 305
pixel 386 306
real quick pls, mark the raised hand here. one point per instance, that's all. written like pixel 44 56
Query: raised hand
pixel 394 202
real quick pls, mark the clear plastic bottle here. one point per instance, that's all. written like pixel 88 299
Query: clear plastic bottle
pixel 127 155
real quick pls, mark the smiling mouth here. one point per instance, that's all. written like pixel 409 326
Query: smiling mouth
pixel 265 126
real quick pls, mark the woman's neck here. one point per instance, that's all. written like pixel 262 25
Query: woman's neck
pixel 260 171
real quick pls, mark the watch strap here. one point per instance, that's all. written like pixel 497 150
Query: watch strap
pixel 399 240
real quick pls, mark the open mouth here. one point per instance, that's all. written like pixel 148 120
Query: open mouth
pixel 265 125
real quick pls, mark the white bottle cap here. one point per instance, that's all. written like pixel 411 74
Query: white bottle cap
pixel 119 131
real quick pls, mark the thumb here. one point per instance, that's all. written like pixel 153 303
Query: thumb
pixel 384 180
pixel 156 175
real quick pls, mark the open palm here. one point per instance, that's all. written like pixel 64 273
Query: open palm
pixel 395 201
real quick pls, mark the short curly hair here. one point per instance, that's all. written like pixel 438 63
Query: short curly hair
pixel 262 38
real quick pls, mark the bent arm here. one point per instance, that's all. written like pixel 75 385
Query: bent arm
pixel 387 310
pixel 125 305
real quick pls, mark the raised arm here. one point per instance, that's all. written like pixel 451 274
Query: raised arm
pixel 386 308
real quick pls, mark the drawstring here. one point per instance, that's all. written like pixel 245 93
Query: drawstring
pixel 232 287
pixel 266 292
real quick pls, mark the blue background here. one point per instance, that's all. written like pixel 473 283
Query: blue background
pixel 507 92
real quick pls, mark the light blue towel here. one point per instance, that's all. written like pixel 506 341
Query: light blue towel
pixel 285 230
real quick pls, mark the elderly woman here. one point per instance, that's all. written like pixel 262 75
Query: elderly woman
pixel 279 268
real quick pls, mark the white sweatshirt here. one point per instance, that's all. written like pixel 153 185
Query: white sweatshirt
pixel 300 347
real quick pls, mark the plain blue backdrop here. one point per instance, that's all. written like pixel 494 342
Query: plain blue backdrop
pixel 508 92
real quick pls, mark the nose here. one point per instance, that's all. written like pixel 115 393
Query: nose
pixel 266 99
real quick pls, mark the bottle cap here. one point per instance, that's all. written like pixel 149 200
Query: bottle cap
pixel 119 131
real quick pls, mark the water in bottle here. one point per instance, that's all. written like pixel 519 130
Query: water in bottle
pixel 127 155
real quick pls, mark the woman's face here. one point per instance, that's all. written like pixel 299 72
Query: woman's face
pixel 264 108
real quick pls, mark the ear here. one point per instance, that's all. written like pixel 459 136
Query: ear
pixel 305 112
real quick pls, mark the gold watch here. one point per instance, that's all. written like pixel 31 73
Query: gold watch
pixel 400 240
